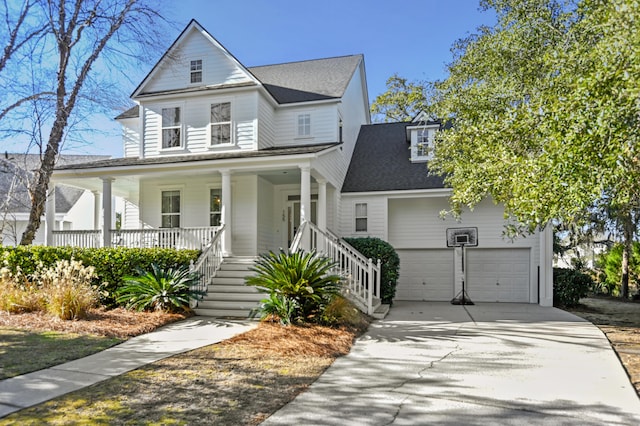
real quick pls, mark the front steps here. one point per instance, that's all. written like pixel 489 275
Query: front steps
pixel 227 295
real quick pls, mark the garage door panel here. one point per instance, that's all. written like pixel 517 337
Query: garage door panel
pixel 498 275
pixel 425 274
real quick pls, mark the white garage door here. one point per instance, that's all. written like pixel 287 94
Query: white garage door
pixel 498 275
pixel 425 274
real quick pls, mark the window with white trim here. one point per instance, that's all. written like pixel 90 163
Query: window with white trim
pixel 304 125
pixel 361 217
pixel 196 71
pixel 171 128
pixel 170 209
pixel 422 143
pixel 215 207
pixel 220 123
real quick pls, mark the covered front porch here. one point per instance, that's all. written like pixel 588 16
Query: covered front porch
pixel 184 204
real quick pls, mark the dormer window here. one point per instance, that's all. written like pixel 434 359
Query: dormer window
pixel 421 138
pixel 221 123
pixel 196 71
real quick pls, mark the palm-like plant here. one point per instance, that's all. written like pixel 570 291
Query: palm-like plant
pixel 158 289
pixel 300 284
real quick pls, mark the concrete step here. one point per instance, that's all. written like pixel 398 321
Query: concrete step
pixel 381 311
pixel 225 313
pixel 227 281
pixel 233 273
pixel 213 296
pixel 228 304
pixel 231 288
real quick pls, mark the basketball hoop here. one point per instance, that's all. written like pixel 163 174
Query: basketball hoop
pixel 462 237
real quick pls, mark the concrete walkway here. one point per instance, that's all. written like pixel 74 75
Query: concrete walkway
pixel 34 388
pixel 488 364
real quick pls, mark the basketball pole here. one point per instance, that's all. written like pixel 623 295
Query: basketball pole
pixel 462 298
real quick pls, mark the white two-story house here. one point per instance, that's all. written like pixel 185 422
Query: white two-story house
pixel 262 150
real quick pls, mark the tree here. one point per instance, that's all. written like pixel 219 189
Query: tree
pixel 402 101
pixel 546 115
pixel 53 46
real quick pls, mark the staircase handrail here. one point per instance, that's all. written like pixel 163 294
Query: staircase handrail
pixel 208 262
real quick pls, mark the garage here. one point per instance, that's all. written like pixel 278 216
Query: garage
pixel 498 275
pixel 425 274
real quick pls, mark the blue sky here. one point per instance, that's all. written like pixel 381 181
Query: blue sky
pixel 409 37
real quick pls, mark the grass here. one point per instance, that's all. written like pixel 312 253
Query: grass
pixel 23 351
pixel 240 381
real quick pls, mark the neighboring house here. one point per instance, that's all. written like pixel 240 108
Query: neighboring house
pixel 263 150
pixel 74 206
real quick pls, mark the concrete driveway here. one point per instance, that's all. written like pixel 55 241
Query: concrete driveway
pixel 504 364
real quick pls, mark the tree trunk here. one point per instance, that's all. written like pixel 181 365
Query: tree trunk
pixel 626 256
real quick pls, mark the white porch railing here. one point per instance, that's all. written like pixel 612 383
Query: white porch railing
pixel 85 239
pixel 209 262
pixel 182 238
pixel 361 274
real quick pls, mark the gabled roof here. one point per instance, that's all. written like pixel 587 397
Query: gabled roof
pixel 381 161
pixel 16 171
pixel 311 80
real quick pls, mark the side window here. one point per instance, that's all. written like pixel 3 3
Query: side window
pixel 220 123
pixel 196 71
pixel 361 217
pixel 170 209
pixel 215 207
pixel 304 125
pixel 171 128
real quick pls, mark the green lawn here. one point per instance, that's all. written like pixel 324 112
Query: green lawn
pixel 23 351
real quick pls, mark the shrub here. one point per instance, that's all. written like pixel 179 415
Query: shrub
pixel 300 285
pixel 158 289
pixel 569 285
pixel 340 311
pixel 66 288
pixel 610 265
pixel 375 248
pixel 111 264
pixel 17 294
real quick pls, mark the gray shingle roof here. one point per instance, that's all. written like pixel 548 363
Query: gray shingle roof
pixel 270 152
pixel 381 161
pixel 305 81
pixel 16 170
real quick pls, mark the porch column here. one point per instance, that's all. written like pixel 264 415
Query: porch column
pixel 305 203
pixel 226 212
pixel 107 211
pixel 50 215
pixel 96 210
pixel 322 204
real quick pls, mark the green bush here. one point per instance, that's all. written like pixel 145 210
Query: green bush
pixel 158 289
pixel 375 248
pixel 569 285
pixel 300 285
pixel 610 265
pixel 111 264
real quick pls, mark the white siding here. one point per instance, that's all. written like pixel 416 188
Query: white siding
pixel 80 215
pixel 131 216
pixel 195 117
pixel 266 125
pixel 217 66
pixel 266 218
pixel 376 216
pixel 324 125
pixel 244 214
pixel 131 137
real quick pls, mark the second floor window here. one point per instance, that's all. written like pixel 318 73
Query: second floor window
pixel 215 209
pixel 304 124
pixel 196 71
pixel 171 127
pixel 221 123
pixel 170 209
pixel 422 143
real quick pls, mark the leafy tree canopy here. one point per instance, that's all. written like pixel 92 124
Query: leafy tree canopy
pixel 402 101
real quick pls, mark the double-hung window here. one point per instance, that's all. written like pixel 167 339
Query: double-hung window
pixel 361 217
pixel 170 209
pixel 422 143
pixel 215 207
pixel 304 125
pixel 221 123
pixel 171 128
pixel 196 71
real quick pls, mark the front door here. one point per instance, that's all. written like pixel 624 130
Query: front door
pixel 293 218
